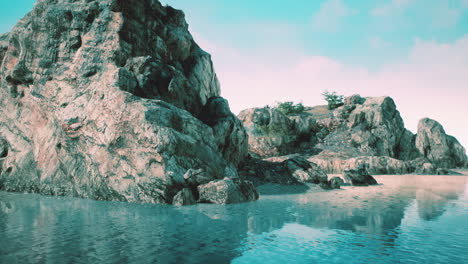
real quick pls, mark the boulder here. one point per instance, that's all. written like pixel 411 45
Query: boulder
pixel 227 191
pixel 305 171
pixel 359 176
pixel 439 148
pixel 103 100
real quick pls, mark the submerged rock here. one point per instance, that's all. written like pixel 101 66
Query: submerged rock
pixel 103 100
pixel 227 191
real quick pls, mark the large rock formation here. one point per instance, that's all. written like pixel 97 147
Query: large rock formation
pixel 362 131
pixel 439 148
pixel 112 100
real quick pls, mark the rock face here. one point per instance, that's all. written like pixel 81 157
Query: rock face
pixel 439 148
pixel 362 131
pixel 229 132
pixel 271 133
pixel 112 100
pixel 362 127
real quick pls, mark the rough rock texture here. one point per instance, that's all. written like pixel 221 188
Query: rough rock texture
pixel 184 197
pixel 359 176
pixel 376 164
pixel 305 171
pixel 103 99
pixel 439 148
pixel 362 127
pixel 362 131
pixel 271 133
pixel 230 134
pixel 282 170
pixel 227 191
pixel 3 45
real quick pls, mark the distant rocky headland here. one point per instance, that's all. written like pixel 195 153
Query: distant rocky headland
pixel 113 100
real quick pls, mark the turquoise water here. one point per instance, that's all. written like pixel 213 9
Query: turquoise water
pixel 407 219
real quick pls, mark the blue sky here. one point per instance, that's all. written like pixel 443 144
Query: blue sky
pixel 270 50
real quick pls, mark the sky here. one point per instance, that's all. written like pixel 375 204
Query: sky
pixel 267 51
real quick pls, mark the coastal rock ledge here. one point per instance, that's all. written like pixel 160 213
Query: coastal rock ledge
pixel 113 100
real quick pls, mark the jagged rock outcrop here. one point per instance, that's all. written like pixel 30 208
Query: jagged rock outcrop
pixel 271 133
pixel 104 100
pixel 440 149
pixel 361 127
pixel 362 131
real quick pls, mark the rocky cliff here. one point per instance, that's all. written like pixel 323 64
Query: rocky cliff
pixel 362 131
pixel 114 100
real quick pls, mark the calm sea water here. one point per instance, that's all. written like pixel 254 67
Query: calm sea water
pixel 407 219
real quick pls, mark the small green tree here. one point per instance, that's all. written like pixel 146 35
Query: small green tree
pixel 333 100
pixel 289 108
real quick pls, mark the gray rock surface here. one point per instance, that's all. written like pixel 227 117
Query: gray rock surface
pixel 286 170
pixel 335 163
pixel 426 169
pixel 305 171
pixel 231 136
pixel 103 100
pixel 271 133
pixel 439 148
pixel 184 197
pixel 359 176
pixel 364 130
pixel 227 191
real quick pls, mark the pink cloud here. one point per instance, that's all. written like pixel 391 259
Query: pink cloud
pixel 431 82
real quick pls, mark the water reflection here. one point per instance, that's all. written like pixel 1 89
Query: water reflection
pixel 40 229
